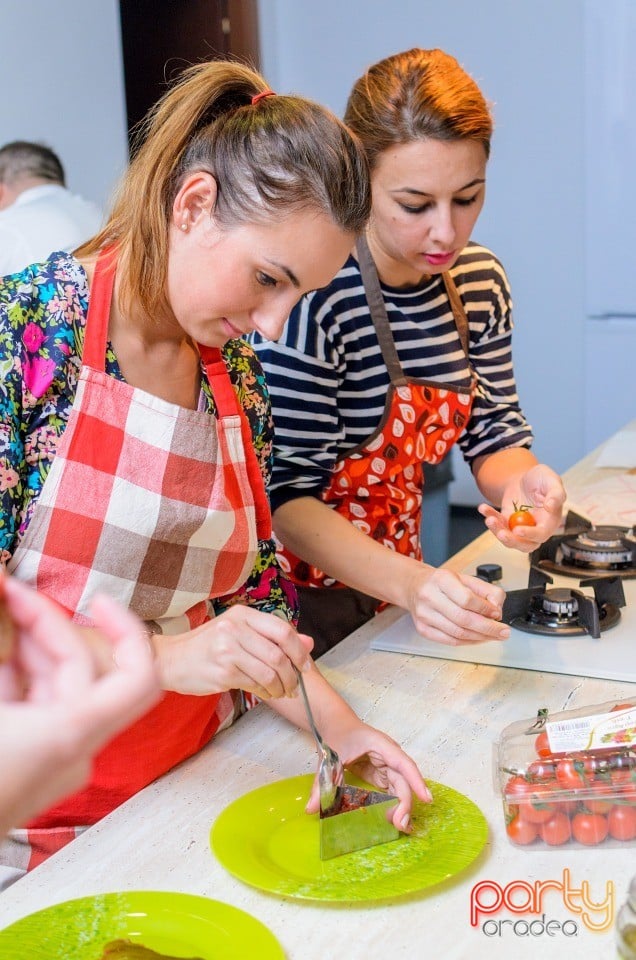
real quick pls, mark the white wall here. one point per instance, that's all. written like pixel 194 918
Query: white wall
pixel 61 78
pixel 528 56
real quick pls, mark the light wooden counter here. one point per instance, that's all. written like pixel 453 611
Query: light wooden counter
pixel 447 715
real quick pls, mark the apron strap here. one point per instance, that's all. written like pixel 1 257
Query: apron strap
pixel 219 380
pixel 101 292
pixel 227 405
pixel 377 309
pixel 459 312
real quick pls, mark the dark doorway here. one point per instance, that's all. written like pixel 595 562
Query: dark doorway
pixel 162 37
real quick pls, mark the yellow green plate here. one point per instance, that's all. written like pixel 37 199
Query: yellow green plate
pixel 177 924
pixel 266 839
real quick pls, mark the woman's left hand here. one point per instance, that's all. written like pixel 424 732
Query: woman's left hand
pixel 377 759
pixel 540 489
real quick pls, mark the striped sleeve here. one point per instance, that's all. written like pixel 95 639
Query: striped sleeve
pixel 497 421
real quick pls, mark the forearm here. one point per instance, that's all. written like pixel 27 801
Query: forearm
pixel 332 715
pixel 325 539
pixel 493 472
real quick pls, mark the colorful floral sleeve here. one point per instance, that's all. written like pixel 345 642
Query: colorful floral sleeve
pixel 40 309
pixel 267 587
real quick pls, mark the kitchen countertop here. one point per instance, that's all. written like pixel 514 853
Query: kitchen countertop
pixel 446 715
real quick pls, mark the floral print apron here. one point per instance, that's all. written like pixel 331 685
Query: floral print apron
pixel 377 486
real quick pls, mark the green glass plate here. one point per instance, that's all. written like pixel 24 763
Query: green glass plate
pixel 266 839
pixel 177 924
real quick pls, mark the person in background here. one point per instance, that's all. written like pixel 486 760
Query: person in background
pixel 136 429
pixel 57 707
pixel 38 213
pixel 405 353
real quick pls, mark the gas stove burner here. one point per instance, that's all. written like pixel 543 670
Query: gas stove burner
pixel 601 551
pixel 606 547
pixel 561 611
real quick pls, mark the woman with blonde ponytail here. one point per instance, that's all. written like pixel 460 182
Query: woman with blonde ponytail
pixel 136 428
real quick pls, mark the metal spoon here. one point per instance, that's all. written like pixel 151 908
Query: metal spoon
pixel 330 769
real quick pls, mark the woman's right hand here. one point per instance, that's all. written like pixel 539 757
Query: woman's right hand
pixel 454 608
pixel 243 648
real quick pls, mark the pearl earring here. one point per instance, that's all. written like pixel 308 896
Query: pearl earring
pixel 184 226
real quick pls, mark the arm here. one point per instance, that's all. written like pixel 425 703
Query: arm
pixel 446 607
pixel 497 438
pixel 514 476
pixel 56 710
pixel 309 361
pixel 371 754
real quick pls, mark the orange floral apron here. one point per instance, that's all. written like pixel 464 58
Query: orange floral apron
pixel 161 507
pixel 378 485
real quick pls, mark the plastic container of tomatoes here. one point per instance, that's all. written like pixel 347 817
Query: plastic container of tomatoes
pixel 569 778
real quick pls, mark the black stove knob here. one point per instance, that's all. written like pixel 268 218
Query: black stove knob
pixel 490 572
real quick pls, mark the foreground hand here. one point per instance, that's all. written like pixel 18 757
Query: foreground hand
pixel 455 608
pixel 542 490
pixel 377 759
pixel 56 708
pixel 243 648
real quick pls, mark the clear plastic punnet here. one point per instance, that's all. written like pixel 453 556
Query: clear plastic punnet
pixel 570 777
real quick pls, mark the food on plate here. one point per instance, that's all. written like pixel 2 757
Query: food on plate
pixel 125 950
pixel 7 633
pixel 521 516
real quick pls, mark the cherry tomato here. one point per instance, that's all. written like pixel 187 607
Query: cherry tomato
pixel 568 775
pixel 517 786
pixel 568 807
pixel 622 822
pixel 556 830
pixel 542 745
pixel 597 804
pixel 537 807
pixel 587 764
pixel 521 517
pixel 589 828
pixel 521 831
pixel 541 771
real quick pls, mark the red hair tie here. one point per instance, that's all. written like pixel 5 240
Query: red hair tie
pixel 261 96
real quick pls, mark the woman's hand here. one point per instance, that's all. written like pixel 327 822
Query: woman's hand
pixel 377 759
pixel 243 648
pixel 57 708
pixel 454 608
pixel 541 489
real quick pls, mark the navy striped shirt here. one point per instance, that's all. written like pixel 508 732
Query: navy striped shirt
pixel 328 381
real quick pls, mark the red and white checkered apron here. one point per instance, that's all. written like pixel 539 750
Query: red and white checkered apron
pixel 378 485
pixel 161 507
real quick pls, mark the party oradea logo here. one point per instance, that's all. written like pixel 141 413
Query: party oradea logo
pixel 524 909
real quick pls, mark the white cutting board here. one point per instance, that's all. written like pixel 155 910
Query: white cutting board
pixel 611 657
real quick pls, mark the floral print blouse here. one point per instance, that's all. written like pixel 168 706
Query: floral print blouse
pixel 43 314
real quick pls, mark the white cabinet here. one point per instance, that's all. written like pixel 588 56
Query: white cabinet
pixel 609 376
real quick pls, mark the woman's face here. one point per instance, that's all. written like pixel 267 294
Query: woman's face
pixel 427 196
pixel 225 282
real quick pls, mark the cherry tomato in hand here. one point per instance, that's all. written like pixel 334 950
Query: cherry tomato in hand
pixel 521 517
